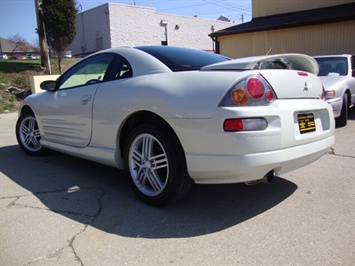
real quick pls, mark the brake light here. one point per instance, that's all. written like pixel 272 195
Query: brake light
pixel 233 125
pixel 304 74
pixel 270 96
pixel 256 88
pixel 245 124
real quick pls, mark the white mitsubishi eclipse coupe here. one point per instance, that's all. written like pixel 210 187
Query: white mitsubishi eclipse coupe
pixel 173 116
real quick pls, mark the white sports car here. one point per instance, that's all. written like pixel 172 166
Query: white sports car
pixel 173 116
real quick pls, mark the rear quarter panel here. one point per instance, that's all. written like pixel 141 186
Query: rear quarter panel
pixel 182 95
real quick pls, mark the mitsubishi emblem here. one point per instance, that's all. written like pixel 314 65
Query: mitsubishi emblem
pixel 305 87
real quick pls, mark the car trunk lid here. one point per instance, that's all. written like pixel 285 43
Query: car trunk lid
pixel 293 84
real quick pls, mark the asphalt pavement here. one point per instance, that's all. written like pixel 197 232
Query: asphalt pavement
pixel 61 210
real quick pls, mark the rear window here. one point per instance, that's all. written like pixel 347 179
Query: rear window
pixel 183 59
pixel 332 66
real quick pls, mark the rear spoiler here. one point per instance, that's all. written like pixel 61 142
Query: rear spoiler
pixel 280 61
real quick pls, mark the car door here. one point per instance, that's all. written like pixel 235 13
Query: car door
pixel 66 113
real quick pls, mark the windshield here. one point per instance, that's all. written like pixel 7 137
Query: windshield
pixel 332 66
pixel 183 59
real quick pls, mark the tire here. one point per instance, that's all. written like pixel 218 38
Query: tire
pixel 155 163
pixel 28 135
pixel 342 120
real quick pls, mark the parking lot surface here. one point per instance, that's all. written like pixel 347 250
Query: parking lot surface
pixel 61 210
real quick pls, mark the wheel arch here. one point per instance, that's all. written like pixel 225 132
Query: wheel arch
pixel 144 117
pixel 26 110
pixel 348 95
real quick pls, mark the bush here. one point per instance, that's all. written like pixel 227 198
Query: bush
pixel 17 73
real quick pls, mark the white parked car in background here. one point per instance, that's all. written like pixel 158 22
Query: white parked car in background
pixel 337 73
pixel 173 116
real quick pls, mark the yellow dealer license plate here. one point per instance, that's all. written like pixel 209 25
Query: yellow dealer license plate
pixel 306 123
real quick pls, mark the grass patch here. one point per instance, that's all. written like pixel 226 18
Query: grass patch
pixel 17 73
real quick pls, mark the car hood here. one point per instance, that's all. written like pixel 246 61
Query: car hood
pixel 293 61
pixel 329 82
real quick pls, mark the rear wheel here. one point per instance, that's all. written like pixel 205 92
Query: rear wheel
pixel 342 120
pixel 28 135
pixel 156 166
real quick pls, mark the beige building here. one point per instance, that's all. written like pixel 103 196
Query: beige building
pixel 312 27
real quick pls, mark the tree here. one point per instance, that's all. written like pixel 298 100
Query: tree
pixel 42 43
pixel 59 21
pixel 20 43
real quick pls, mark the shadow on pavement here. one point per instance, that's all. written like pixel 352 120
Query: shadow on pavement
pixel 100 196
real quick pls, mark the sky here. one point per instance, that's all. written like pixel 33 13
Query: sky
pixel 19 17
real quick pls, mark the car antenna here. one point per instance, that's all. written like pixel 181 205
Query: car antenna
pixel 269 51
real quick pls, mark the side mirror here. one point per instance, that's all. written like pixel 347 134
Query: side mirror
pixel 49 85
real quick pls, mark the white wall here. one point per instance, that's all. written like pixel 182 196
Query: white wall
pixel 92 26
pixel 128 25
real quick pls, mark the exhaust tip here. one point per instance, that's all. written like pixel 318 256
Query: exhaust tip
pixel 266 179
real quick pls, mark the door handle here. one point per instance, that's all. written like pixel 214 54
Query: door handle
pixel 85 99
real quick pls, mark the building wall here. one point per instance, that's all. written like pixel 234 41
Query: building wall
pixel 262 8
pixel 332 38
pixel 113 25
pixel 92 29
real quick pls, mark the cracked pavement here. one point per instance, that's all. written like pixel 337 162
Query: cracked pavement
pixel 60 210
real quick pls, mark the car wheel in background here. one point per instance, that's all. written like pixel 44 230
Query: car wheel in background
pixel 156 165
pixel 342 120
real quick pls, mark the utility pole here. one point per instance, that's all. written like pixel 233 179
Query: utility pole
pixel 242 17
pixel 41 37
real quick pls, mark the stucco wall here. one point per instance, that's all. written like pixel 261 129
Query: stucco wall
pixel 91 26
pixel 128 25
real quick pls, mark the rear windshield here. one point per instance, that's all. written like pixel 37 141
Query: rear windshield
pixel 332 66
pixel 183 59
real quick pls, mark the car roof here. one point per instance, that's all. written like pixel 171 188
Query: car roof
pixel 173 58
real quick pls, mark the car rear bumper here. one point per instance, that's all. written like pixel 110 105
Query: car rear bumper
pixel 221 168
pixel 216 156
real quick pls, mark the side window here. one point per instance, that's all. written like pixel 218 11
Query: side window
pixel 89 71
pixel 119 69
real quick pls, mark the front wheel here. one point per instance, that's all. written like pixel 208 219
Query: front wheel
pixel 155 163
pixel 342 120
pixel 28 135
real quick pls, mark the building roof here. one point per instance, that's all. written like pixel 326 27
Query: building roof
pixel 7 47
pixel 293 19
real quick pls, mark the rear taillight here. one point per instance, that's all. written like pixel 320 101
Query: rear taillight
pixel 244 124
pixel 256 88
pixel 251 91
